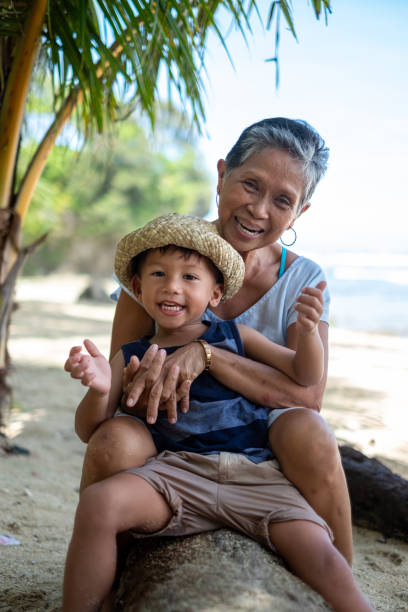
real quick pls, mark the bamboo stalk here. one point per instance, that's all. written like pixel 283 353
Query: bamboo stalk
pixel 12 110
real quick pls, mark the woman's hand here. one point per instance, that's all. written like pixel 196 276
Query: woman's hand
pixel 159 382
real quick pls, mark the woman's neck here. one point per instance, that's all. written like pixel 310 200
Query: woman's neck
pixel 261 273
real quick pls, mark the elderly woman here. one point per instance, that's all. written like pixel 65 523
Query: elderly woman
pixel 264 184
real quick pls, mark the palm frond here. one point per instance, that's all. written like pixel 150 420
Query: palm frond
pixel 125 48
pixel 159 40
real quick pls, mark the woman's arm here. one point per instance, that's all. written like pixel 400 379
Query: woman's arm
pixel 160 382
pixel 258 382
pixel 263 384
pixel 130 322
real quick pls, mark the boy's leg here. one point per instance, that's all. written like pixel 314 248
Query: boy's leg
pixel 120 503
pixel 307 549
pixel 309 457
pixel 117 445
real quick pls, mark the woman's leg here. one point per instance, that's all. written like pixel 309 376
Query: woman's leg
pixel 309 457
pixel 105 509
pixel 307 549
pixel 117 445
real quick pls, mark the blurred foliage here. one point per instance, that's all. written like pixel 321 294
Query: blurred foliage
pixel 89 199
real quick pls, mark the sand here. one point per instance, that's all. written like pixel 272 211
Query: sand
pixel 365 405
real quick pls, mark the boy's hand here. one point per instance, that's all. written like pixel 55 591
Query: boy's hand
pixel 92 370
pixel 309 306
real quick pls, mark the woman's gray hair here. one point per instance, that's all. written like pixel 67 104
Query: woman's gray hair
pixel 294 136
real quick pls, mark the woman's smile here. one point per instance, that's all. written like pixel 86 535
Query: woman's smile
pixel 245 228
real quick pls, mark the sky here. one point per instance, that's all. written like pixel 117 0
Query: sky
pixel 349 79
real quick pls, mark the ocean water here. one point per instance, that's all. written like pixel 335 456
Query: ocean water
pixel 369 291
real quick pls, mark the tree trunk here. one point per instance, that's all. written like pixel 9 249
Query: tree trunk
pixel 14 100
pixel 6 306
pixel 7 289
pixel 11 259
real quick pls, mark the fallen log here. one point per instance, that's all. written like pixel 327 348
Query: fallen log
pixel 219 571
pixel 379 497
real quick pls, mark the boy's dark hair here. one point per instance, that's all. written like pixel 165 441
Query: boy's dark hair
pixel 137 261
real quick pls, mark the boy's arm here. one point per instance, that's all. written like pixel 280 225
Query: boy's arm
pixel 308 362
pixel 295 364
pixel 105 383
pixel 305 365
pixel 309 359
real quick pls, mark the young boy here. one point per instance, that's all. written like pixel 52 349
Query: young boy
pixel 214 466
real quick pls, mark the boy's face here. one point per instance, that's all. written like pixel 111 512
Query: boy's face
pixel 175 290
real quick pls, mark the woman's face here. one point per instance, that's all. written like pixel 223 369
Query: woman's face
pixel 259 200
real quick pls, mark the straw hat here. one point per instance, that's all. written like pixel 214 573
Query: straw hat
pixel 183 231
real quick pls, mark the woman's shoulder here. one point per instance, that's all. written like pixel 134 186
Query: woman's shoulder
pixel 299 272
pixel 296 263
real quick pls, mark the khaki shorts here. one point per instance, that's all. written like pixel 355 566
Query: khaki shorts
pixel 206 492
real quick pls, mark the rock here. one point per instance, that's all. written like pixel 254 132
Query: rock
pixel 217 571
pixel 95 292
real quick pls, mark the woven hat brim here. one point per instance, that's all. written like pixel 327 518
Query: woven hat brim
pixel 183 231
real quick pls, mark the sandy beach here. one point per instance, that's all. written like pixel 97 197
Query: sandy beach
pixel 365 404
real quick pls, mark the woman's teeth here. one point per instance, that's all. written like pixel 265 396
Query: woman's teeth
pixel 249 232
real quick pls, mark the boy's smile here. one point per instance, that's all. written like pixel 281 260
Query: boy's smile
pixel 169 307
pixel 175 289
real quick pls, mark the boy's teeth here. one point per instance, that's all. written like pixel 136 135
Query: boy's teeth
pixel 172 307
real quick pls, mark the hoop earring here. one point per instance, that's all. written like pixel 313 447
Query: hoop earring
pixel 288 244
pixel 217 199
